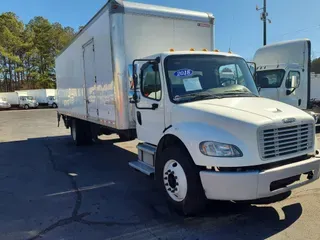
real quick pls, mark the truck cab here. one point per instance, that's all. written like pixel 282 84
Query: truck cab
pixel 52 101
pixel 200 125
pixel 27 102
pixel 283 73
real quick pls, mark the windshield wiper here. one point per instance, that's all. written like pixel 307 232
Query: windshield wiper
pixel 237 93
pixel 196 96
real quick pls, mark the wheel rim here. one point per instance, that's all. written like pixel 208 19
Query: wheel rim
pixel 73 132
pixel 175 180
pixel 26 106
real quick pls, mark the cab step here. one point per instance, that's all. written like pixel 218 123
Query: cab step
pixel 142 167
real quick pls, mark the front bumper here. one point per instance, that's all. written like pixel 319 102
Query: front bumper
pixel 256 184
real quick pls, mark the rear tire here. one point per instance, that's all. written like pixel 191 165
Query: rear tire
pixel 179 177
pixel 80 132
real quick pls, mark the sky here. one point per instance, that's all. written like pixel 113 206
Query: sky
pixel 237 23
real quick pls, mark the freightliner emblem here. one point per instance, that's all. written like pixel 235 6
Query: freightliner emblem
pixel 288 120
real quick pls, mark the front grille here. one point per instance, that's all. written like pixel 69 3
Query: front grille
pixel 274 142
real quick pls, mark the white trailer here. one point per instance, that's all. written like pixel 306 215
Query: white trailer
pixel 150 72
pixel 315 86
pixel 283 74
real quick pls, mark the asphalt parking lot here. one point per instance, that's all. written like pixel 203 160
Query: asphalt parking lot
pixel 51 189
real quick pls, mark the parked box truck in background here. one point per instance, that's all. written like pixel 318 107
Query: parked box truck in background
pixel 283 74
pixel 42 96
pixel 149 72
pixel 20 99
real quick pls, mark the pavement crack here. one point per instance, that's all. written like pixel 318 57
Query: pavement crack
pixel 61 222
pixel 75 216
pixel 78 202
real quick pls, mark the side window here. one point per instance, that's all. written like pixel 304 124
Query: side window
pixel 151 85
pixel 289 78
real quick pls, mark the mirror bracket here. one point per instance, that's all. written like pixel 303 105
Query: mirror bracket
pixel 288 92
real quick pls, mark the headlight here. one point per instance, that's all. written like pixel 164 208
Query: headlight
pixel 217 149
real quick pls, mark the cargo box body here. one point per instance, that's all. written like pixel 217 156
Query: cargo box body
pixel 92 72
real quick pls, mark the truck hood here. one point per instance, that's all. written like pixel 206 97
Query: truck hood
pixel 256 111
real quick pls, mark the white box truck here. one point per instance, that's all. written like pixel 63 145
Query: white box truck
pixel 283 74
pixel 150 72
pixel 20 99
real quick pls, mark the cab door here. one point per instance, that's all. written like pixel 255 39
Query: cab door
pixel 292 95
pixel 150 107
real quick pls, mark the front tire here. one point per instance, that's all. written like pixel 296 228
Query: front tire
pixel 179 178
pixel 54 105
pixel 26 106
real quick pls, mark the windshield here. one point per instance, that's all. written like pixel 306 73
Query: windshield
pixel 30 98
pixel 270 78
pixel 196 77
pixel 52 98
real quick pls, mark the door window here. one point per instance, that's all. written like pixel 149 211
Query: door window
pixel 270 78
pixel 151 85
pixel 289 78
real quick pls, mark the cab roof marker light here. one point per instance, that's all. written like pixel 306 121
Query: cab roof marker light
pixel 171 50
pixel 191 49
pixel 216 50
pixel 205 50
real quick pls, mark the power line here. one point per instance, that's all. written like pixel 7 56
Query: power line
pixel 302 30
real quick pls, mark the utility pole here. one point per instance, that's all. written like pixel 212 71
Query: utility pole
pixel 264 19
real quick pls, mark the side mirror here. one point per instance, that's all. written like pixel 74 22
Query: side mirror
pixel 253 69
pixel 294 82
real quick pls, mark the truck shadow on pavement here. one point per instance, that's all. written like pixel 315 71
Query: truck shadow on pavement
pixel 48 184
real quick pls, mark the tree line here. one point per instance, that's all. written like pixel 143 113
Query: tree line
pixel 315 65
pixel 28 51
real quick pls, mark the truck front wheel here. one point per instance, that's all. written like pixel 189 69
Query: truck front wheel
pixel 179 177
